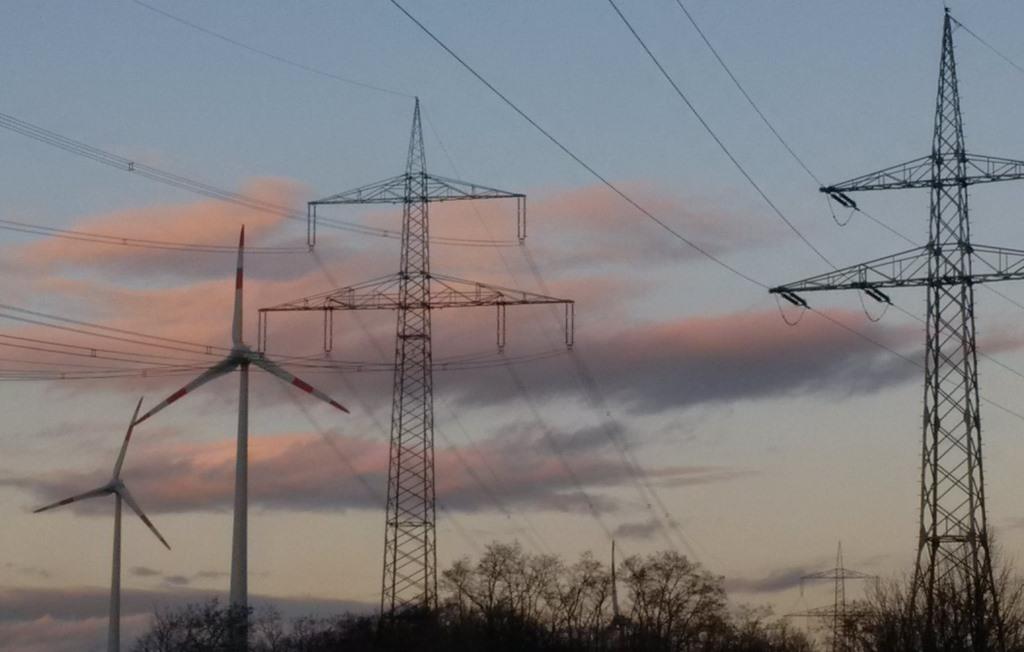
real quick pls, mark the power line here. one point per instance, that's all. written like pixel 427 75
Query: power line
pixel 271 55
pixel 631 201
pixel 105 239
pixel 80 351
pixel 204 189
pixel 988 45
pixel 817 180
pixel 715 137
pixel 746 95
pixel 80 331
pixel 558 452
pixel 586 166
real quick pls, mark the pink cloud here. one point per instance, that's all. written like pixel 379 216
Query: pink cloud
pixel 207 221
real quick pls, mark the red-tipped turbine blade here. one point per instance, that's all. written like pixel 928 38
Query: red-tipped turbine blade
pixel 127 497
pixel 127 437
pixel 236 323
pixel 216 371
pixel 296 381
pixel 101 491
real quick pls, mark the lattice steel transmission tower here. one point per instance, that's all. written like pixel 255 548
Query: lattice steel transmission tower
pixel 839 614
pixel 953 543
pixel 410 557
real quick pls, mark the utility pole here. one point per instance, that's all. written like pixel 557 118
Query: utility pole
pixel 410 553
pixel 953 544
pixel 839 613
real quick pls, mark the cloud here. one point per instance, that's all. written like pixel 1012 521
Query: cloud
pixel 210 575
pixel 203 222
pixel 778 580
pixel 639 529
pixel 28 571
pixel 646 368
pixel 520 464
pixel 144 571
pixel 49 634
pixel 749 355
pixel 74 619
pixel 584 226
pixel 176 580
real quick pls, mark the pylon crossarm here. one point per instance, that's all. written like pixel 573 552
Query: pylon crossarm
pixel 395 191
pixel 984 169
pixel 376 294
pixel 452 292
pixel 905 269
pixel 829 612
pixel 918 173
pixel 387 191
pixel 912 174
pixel 996 264
pixel 445 292
pixel 444 189
pixel 839 574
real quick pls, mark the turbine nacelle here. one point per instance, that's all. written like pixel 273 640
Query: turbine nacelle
pixel 115 486
pixel 241 354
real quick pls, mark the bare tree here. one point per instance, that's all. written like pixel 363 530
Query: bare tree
pixel 887 623
pixel 676 604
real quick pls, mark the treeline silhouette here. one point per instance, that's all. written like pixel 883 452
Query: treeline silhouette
pixel 510 600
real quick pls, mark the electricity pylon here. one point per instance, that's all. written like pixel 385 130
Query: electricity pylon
pixel 410 553
pixel 840 614
pixel 953 543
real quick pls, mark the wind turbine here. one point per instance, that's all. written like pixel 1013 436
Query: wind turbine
pixel 241 357
pixel 117 487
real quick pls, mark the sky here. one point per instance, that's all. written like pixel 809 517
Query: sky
pixel 688 413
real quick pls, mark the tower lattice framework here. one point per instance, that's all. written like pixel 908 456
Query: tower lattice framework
pixel 410 548
pixel 840 615
pixel 953 544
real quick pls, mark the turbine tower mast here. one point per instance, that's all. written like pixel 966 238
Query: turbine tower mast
pixel 953 543
pixel 240 357
pixel 117 487
pixel 410 552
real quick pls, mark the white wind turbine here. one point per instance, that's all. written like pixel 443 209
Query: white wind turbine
pixel 240 357
pixel 117 487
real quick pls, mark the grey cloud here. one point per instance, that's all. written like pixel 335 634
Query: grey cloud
pixel 75 619
pixel 638 530
pixel 670 366
pixel 28 571
pixel 778 580
pixel 91 602
pixel 176 580
pixel 523 464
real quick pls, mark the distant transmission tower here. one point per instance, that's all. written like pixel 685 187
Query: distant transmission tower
pixel 954 546
pixel 840 614
pixel 410 553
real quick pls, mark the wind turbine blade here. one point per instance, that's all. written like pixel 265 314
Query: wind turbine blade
pixel 216 371
pixel 127 437
pixel 236 323
pixel 127 497
pixel 100 491
pixel 273 368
